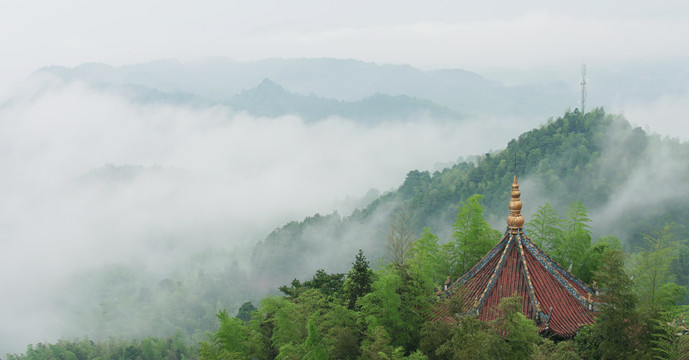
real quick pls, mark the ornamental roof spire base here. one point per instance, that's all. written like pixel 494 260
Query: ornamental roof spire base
pixel 517 266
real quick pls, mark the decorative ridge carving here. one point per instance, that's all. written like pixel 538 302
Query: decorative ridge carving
pixel 546 264
pixel 475 269
pixel 494 277
pixel 532 295
pixel 537 252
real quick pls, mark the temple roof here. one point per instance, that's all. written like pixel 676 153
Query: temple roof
pixel 558 302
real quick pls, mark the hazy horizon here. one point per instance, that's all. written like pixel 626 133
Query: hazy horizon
pixel 494 34
pixel 90 178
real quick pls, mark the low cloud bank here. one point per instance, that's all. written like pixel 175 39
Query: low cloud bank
pixel 89 179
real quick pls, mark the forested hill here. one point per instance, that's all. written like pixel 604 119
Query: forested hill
pixel 632 183
pixel 272 100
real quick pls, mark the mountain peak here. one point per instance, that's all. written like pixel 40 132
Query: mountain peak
pixel 268 84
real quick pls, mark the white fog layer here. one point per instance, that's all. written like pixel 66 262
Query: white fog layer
pixel 92 179
pixel 145 142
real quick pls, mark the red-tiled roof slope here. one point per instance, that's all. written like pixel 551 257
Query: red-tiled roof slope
pixel 558 302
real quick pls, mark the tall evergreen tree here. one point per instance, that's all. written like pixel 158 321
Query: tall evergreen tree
pixel 244 312
pixel 359 280
pixel 617 327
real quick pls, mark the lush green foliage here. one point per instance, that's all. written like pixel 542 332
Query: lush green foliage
pixel 382 314
pixel 545 228
pixel 567 240
pixel 244 312
pixel 391 307
pixel 390 320
pixel 510 336
pixel 328 284
pixel 359 280
pixel 654 281
pixel 227 342
pixel 429 260
pixel 472 237
pixel 575 159
pixel 310 323
pixel 149 348
pixel 615 335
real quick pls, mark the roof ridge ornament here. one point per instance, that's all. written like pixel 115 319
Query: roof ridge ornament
pixel 515 220
pixel 558 301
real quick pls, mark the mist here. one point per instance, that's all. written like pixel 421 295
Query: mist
pixel 666 115
pixel 95 183
pixel 647 169
pixel 656 184
pixel 91 180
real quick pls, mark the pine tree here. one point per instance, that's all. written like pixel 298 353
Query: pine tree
pixel 359 280
pixel 244 312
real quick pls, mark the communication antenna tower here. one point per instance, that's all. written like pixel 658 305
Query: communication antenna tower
pixel 583 89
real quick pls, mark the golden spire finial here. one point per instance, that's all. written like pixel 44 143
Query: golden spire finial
pixel 515 220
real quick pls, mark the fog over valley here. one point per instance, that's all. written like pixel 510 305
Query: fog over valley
pixel 104 188
pixel 162 161
pixel 93 180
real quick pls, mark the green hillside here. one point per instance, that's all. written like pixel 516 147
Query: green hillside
pixel 632 183
pixel 597 159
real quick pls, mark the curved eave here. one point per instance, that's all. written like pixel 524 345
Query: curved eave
pixel 553 297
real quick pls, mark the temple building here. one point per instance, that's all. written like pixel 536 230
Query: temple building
pixel 555 299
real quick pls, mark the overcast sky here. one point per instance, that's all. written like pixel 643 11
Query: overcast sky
pixel 430 34
pixel 43 225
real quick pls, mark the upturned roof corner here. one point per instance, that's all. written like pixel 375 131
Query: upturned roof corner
pixel 517 265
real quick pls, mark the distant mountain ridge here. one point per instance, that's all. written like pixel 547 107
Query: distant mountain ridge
pixel 529 95
pixel 268 98
pixel 272 100
pixel 219 79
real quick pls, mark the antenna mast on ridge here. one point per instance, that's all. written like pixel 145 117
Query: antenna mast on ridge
pixel 583 89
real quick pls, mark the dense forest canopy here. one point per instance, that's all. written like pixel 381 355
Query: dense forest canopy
pixel 597 159
pixel 387 313
pixel 588 185
pixel 266 179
